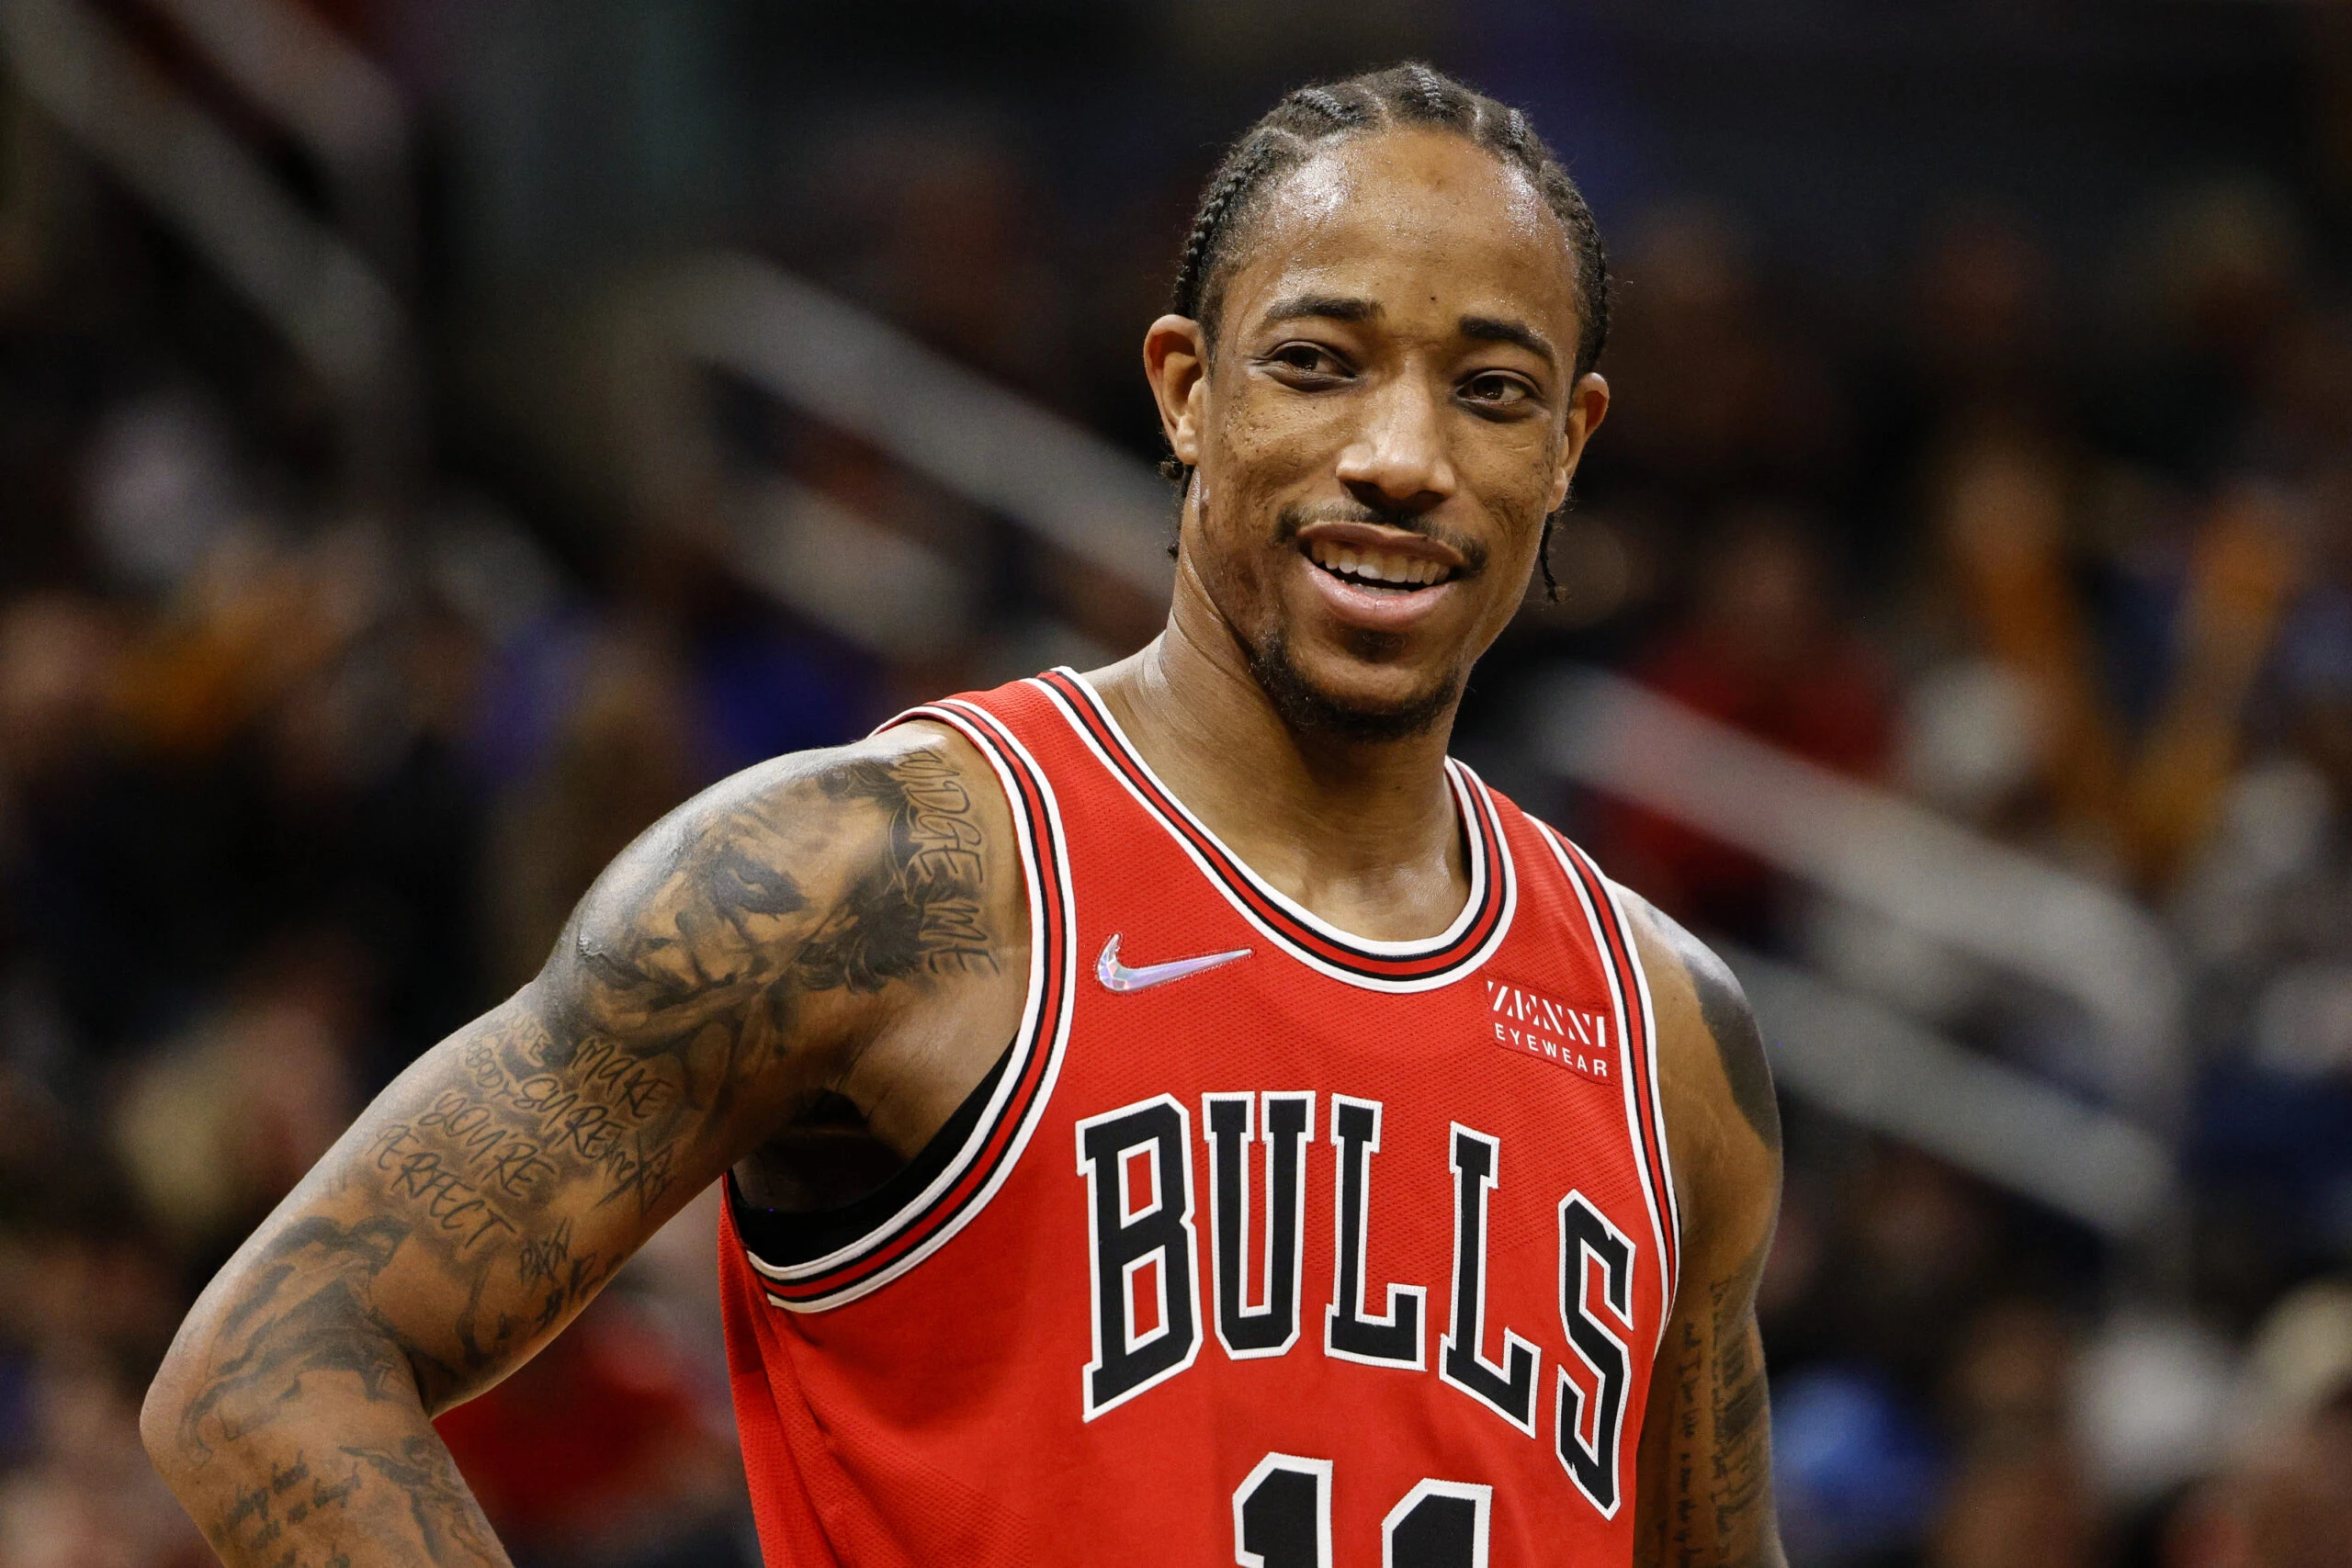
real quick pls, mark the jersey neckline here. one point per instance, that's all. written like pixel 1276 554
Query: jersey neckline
pixel 1420 963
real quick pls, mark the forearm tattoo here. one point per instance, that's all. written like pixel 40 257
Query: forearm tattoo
pixel 1716 1507
pixel 494 1179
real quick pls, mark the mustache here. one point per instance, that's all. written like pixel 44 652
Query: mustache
pixel 1292 518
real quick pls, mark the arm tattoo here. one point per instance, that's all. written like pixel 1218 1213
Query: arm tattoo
pixel 1717 1511
pixel 489 1194
pixel 443 1512
pixel 1740 1047
pixel 1740 1478
pixel 308 1337
pixel 1731 1023
pixel 1707 1442
pixel 728 934
pixel 918 907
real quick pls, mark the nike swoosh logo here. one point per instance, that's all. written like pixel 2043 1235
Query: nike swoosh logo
pixel 1117 977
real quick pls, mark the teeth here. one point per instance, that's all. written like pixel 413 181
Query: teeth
pixel 1376 566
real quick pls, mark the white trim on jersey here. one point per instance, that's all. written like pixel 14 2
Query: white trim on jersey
pixel 1657 1087
pixel 1660 1208
pixel 994 740
pixel 1471 796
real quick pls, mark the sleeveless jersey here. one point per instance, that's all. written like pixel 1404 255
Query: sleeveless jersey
pixel 1264 1244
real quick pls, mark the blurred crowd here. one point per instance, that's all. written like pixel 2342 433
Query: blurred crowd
pixel 295 779
pixel 2064 559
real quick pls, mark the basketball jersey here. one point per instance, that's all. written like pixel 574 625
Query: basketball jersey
pixel 1265 1244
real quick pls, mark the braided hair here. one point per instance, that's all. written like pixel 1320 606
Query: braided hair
pixel 1412 94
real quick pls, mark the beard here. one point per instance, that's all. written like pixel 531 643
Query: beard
pixel 1310 710
pixel 1306 708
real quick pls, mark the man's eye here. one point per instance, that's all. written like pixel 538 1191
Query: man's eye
pixel 1306 358
pixel 1498 391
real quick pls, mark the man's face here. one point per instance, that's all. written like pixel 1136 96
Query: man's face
pixel 1389 414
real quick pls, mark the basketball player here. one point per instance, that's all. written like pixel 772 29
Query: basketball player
pixel 1295 1154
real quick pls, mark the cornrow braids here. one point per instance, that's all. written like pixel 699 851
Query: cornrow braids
pixel 1411 94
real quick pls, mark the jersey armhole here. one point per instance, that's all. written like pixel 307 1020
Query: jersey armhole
pixel 802 1235
pixel 924 1212
pixel 1603 905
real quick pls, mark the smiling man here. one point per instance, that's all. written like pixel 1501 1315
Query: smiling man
pixel 1172 1114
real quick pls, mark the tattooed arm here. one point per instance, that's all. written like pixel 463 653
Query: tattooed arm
pixel 848 920
pixel 1704 1487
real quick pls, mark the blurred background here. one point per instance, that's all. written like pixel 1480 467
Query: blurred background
pixel 438 436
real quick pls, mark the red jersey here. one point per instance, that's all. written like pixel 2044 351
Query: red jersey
pixel 1265 1244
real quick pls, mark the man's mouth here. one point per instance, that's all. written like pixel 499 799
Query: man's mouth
pixel 1382 572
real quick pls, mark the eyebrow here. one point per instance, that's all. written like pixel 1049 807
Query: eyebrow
pixel 1347 308
pixel 1491 329
pixel 1327 307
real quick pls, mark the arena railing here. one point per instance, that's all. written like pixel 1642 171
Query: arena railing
pixel 338 107
pixel 1875 849
pixel 321 293
pixel 852 370
pixel 2110 1169
pixel 1880 1069
pixel 863 582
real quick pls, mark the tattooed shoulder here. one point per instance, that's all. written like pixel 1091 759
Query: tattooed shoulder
pixel 726 963
pixel 1706 1498
pixel 835 872
pixel 1729 1021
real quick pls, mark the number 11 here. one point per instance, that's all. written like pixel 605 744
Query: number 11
pixel 1282 1518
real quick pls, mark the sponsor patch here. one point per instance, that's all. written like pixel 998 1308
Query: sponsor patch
pixel 1529 1022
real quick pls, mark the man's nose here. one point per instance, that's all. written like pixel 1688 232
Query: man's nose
pixel 1398 460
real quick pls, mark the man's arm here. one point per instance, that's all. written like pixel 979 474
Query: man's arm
pixel 740 957
pixel 1704 1474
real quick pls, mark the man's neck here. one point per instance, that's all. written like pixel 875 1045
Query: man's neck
pixel 1364 833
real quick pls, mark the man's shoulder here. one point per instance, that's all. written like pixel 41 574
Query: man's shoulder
pixel 886 858
pixel 1710 1049
pixel 809 806
pixel 1723 1118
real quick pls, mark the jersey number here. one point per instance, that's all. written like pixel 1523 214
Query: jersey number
pixel 1282 1518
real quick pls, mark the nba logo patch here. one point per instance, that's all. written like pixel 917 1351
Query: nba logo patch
pixel 1529 1022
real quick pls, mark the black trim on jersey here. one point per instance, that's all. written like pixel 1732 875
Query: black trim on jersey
pixel 1475 934
pixel 1629 987
pixel 976 1170
pixel 787 1236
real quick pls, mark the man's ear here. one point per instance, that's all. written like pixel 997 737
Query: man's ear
pixel 1176 363
pixel 1588 406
